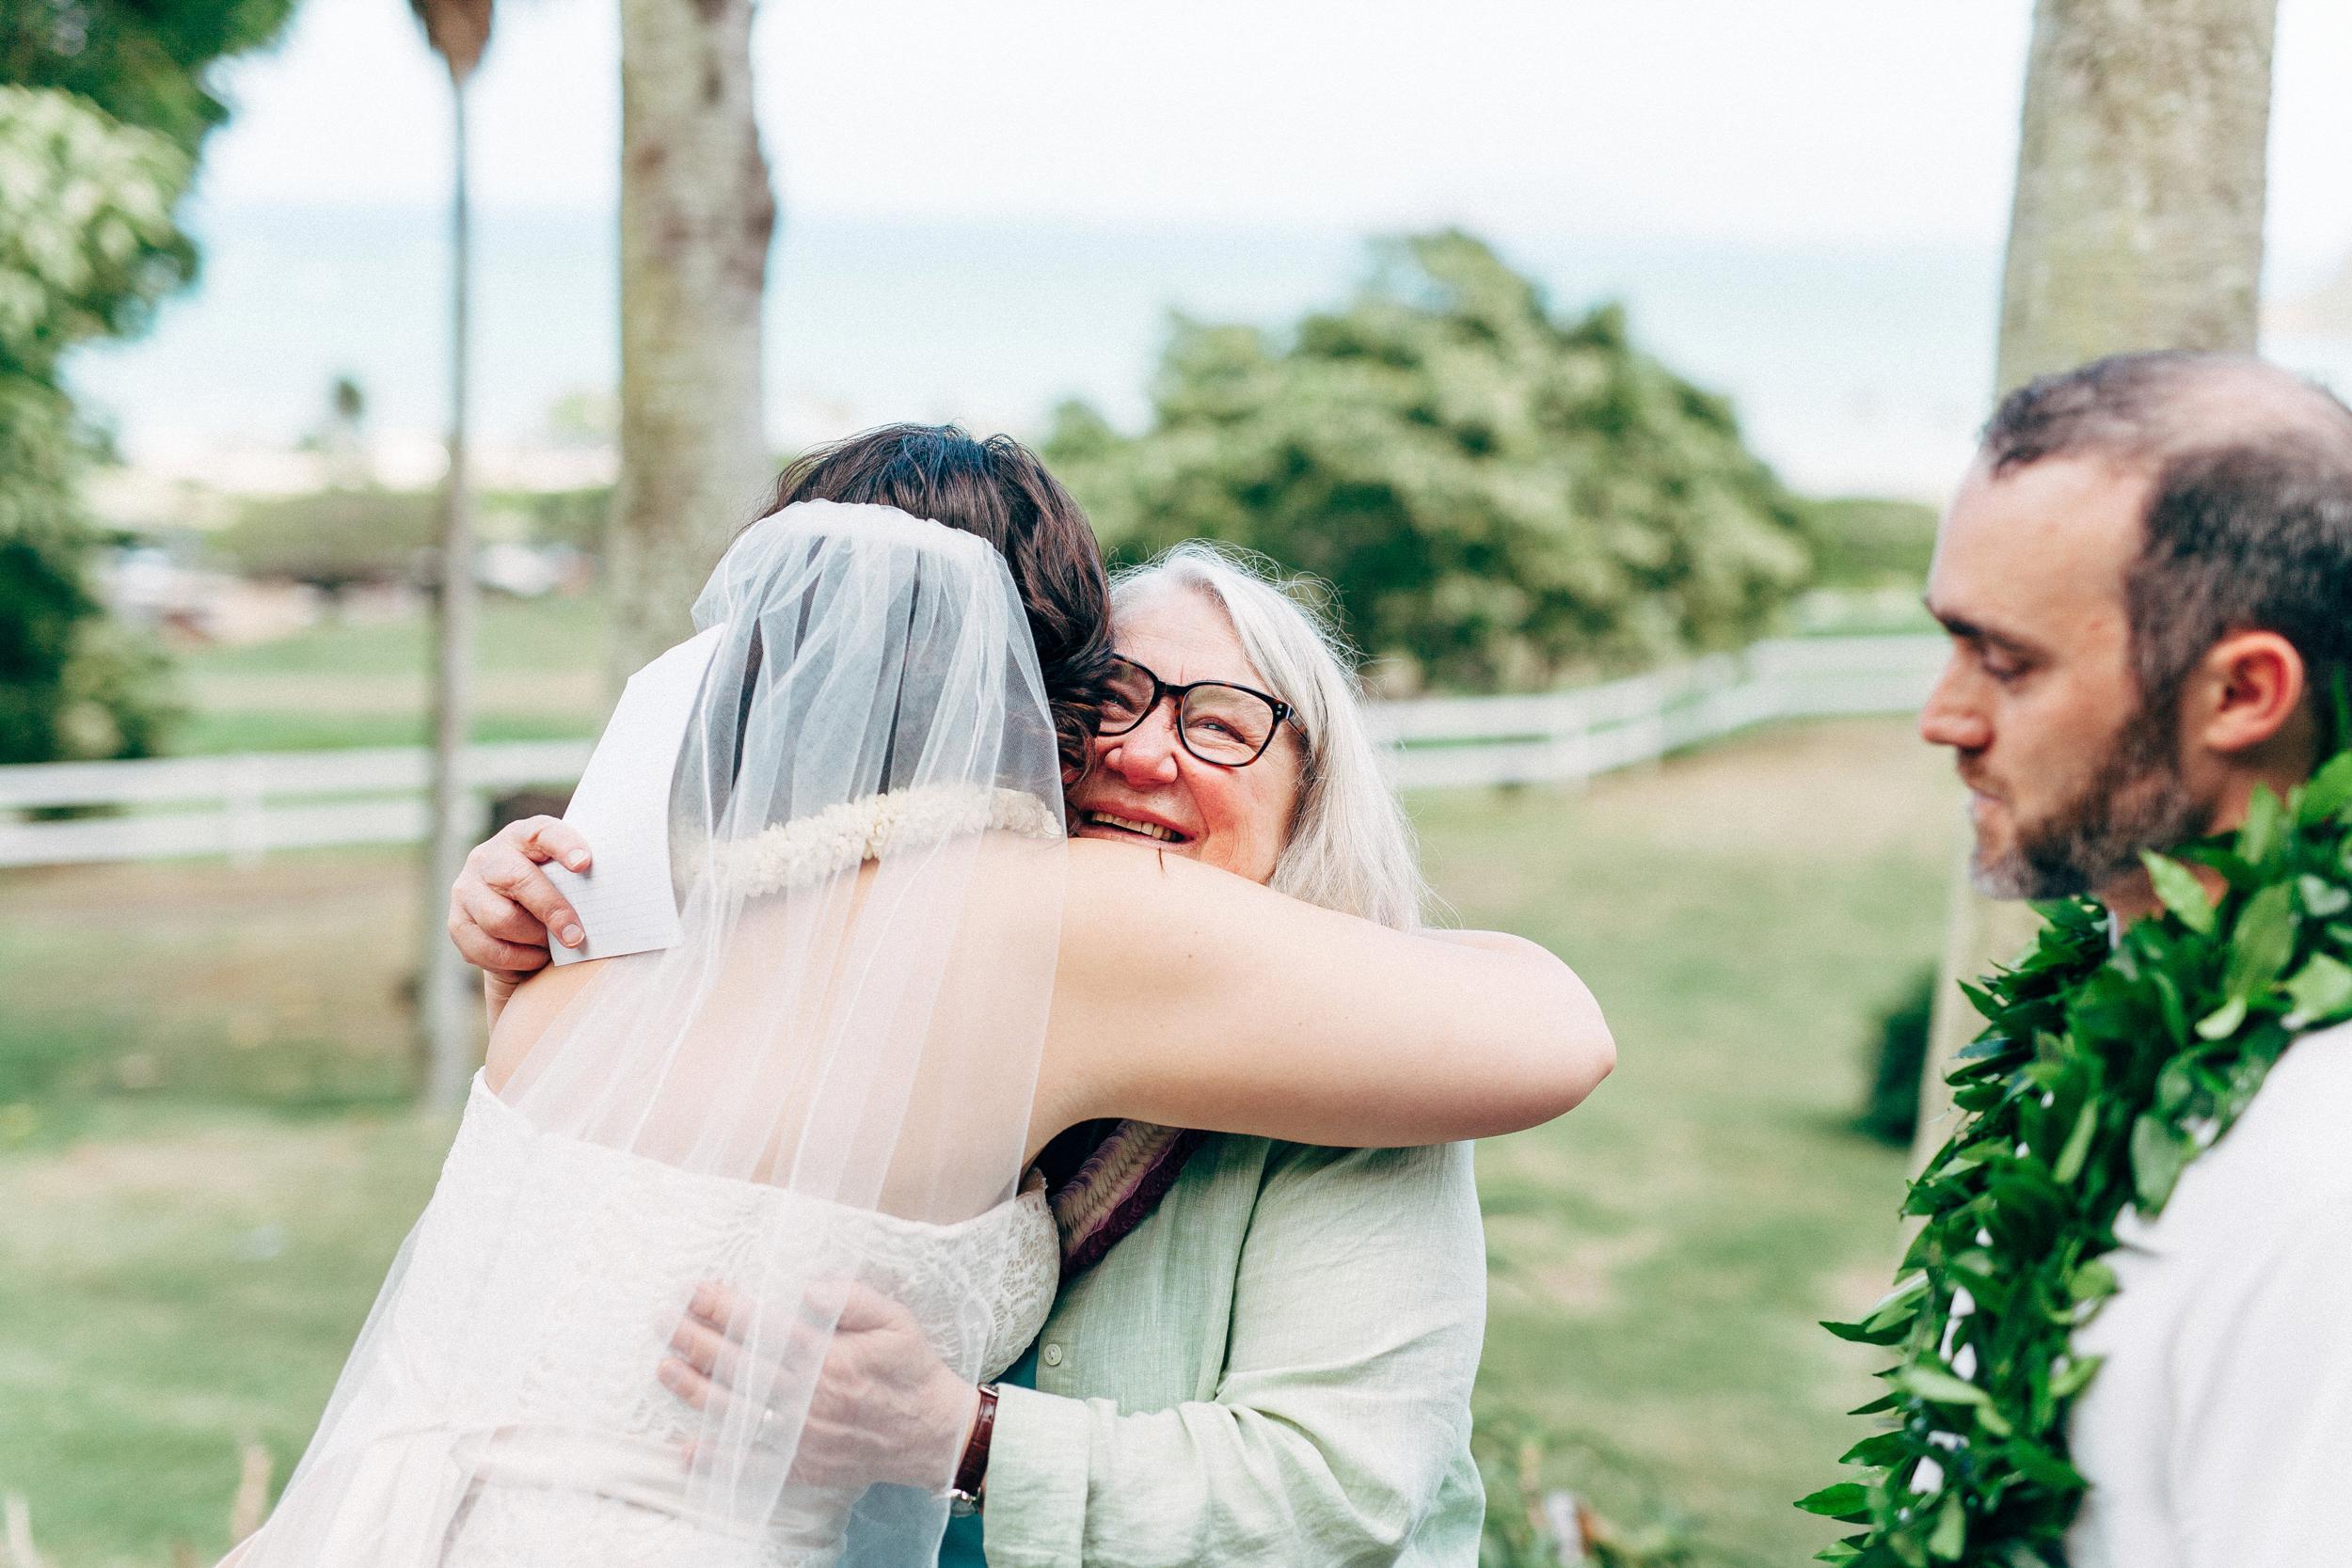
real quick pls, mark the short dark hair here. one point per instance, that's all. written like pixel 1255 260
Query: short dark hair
pixel 2248 524
pixel 998 489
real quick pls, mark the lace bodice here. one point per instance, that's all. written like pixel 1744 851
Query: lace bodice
pixel 591 1286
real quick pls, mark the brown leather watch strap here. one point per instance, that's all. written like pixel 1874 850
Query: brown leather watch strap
pixel 973 1470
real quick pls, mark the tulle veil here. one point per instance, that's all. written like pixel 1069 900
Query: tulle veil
pixel 832 1070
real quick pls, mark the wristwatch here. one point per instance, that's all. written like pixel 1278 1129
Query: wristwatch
pixel 964 1492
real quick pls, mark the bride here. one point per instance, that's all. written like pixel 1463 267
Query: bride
pixel 896 981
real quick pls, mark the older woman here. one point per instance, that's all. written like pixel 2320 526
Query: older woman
pixel 1273 1363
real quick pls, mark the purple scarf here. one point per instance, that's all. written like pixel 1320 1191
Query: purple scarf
pixel 1120 1177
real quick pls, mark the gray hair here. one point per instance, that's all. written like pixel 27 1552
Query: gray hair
pixel 1349 847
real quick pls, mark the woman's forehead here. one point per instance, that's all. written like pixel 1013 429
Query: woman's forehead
pixel 1183 635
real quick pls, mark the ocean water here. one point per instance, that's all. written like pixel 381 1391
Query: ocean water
pixel 1851 370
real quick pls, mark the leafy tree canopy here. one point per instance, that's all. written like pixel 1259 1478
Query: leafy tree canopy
pixel 103 104
pixel 1501 497
pixel 88 245
pixel 142 62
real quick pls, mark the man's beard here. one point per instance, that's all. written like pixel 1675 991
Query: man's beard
pixel 2134 800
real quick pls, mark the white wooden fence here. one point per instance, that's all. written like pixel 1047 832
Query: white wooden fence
pixel 245 806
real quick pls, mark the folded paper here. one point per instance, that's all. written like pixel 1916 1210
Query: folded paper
pixel 625 899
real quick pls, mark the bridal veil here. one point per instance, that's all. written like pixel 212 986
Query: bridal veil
pixel 828 1081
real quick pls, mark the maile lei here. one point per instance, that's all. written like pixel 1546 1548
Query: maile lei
pixel 2105 1067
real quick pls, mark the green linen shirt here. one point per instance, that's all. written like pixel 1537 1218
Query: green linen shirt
pixel 1274 1368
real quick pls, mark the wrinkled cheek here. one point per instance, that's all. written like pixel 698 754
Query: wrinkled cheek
pixel 1256 861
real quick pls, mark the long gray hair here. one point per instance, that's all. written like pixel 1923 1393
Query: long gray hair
pixel 1349 847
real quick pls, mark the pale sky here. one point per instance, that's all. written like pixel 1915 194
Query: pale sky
pixel 992 204
pixel 1797 121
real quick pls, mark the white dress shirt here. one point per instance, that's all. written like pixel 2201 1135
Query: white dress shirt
pixel 2218 1434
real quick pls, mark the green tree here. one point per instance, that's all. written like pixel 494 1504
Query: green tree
pixel 144 62
pixel 87 247
pixel 1501 497
pixel 103 105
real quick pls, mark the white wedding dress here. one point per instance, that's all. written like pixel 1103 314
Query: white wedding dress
pixel 822 1071
pixel 578 1462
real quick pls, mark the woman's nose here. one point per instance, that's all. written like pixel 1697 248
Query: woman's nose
pixel 1147 753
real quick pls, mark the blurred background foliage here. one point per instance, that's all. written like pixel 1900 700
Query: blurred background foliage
pixel 88 245
pixel 331 539
pixel 1870 542
pixel 349 536
pixel 141 62
pixel 1898 1052
pixel 1502 498
pixel 103 105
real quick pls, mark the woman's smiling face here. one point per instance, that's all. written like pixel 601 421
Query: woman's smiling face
pixel 1143 787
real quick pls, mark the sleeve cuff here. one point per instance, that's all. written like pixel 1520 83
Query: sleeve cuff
pixel 1033 1516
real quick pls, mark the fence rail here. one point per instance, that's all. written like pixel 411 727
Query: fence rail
pixel 245 806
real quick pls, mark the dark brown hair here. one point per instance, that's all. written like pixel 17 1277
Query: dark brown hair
pixel 2248 524
pixel 997 489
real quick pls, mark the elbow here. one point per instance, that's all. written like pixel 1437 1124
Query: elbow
pixel 1593 1059
pixel 1585 1051
pixel 1567 1049
pixel 1544 1049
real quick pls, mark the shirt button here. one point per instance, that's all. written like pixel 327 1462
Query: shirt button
pixel 1051 1356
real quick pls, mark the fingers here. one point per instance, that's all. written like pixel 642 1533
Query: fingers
pixel 489 933
pixel 718 1306
pixel 707 1352
pixel 502 896
pixel 526 890
pixel 550 838
pixel 821 1307
pixel 692 1385
pixel 863 1308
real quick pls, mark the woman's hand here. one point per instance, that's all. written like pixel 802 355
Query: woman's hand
pixel 502 907
pixel 885 1408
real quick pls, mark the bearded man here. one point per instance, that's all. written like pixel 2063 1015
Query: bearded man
pixel 2147 578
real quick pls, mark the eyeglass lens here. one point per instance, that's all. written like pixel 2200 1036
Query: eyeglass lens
pixel 1216 722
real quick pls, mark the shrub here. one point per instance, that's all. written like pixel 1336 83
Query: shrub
pixel 1501 497
pixel 1871 540
pixel 332 539
pixel 573 519
pixel 1897 1057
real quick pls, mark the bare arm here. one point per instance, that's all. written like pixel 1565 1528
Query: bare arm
pixel 1194 998
pixel 1191 997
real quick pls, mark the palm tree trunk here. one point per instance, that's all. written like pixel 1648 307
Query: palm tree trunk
pixel 2137 219
pixel 697 215
pixel 446 1009
pixel 2137 223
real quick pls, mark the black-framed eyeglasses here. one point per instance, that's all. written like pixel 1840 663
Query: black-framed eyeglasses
pixel 1218 722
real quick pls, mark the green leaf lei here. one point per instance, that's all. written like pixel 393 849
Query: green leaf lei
pixel 2104 1069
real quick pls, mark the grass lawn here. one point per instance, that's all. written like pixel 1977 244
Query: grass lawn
pixel 1661 1256
pixel 205 1168
pixel 540 676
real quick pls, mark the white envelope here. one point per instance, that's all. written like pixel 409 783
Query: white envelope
pixel 622 808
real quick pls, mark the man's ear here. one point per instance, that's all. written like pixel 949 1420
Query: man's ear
pixel 2248 688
